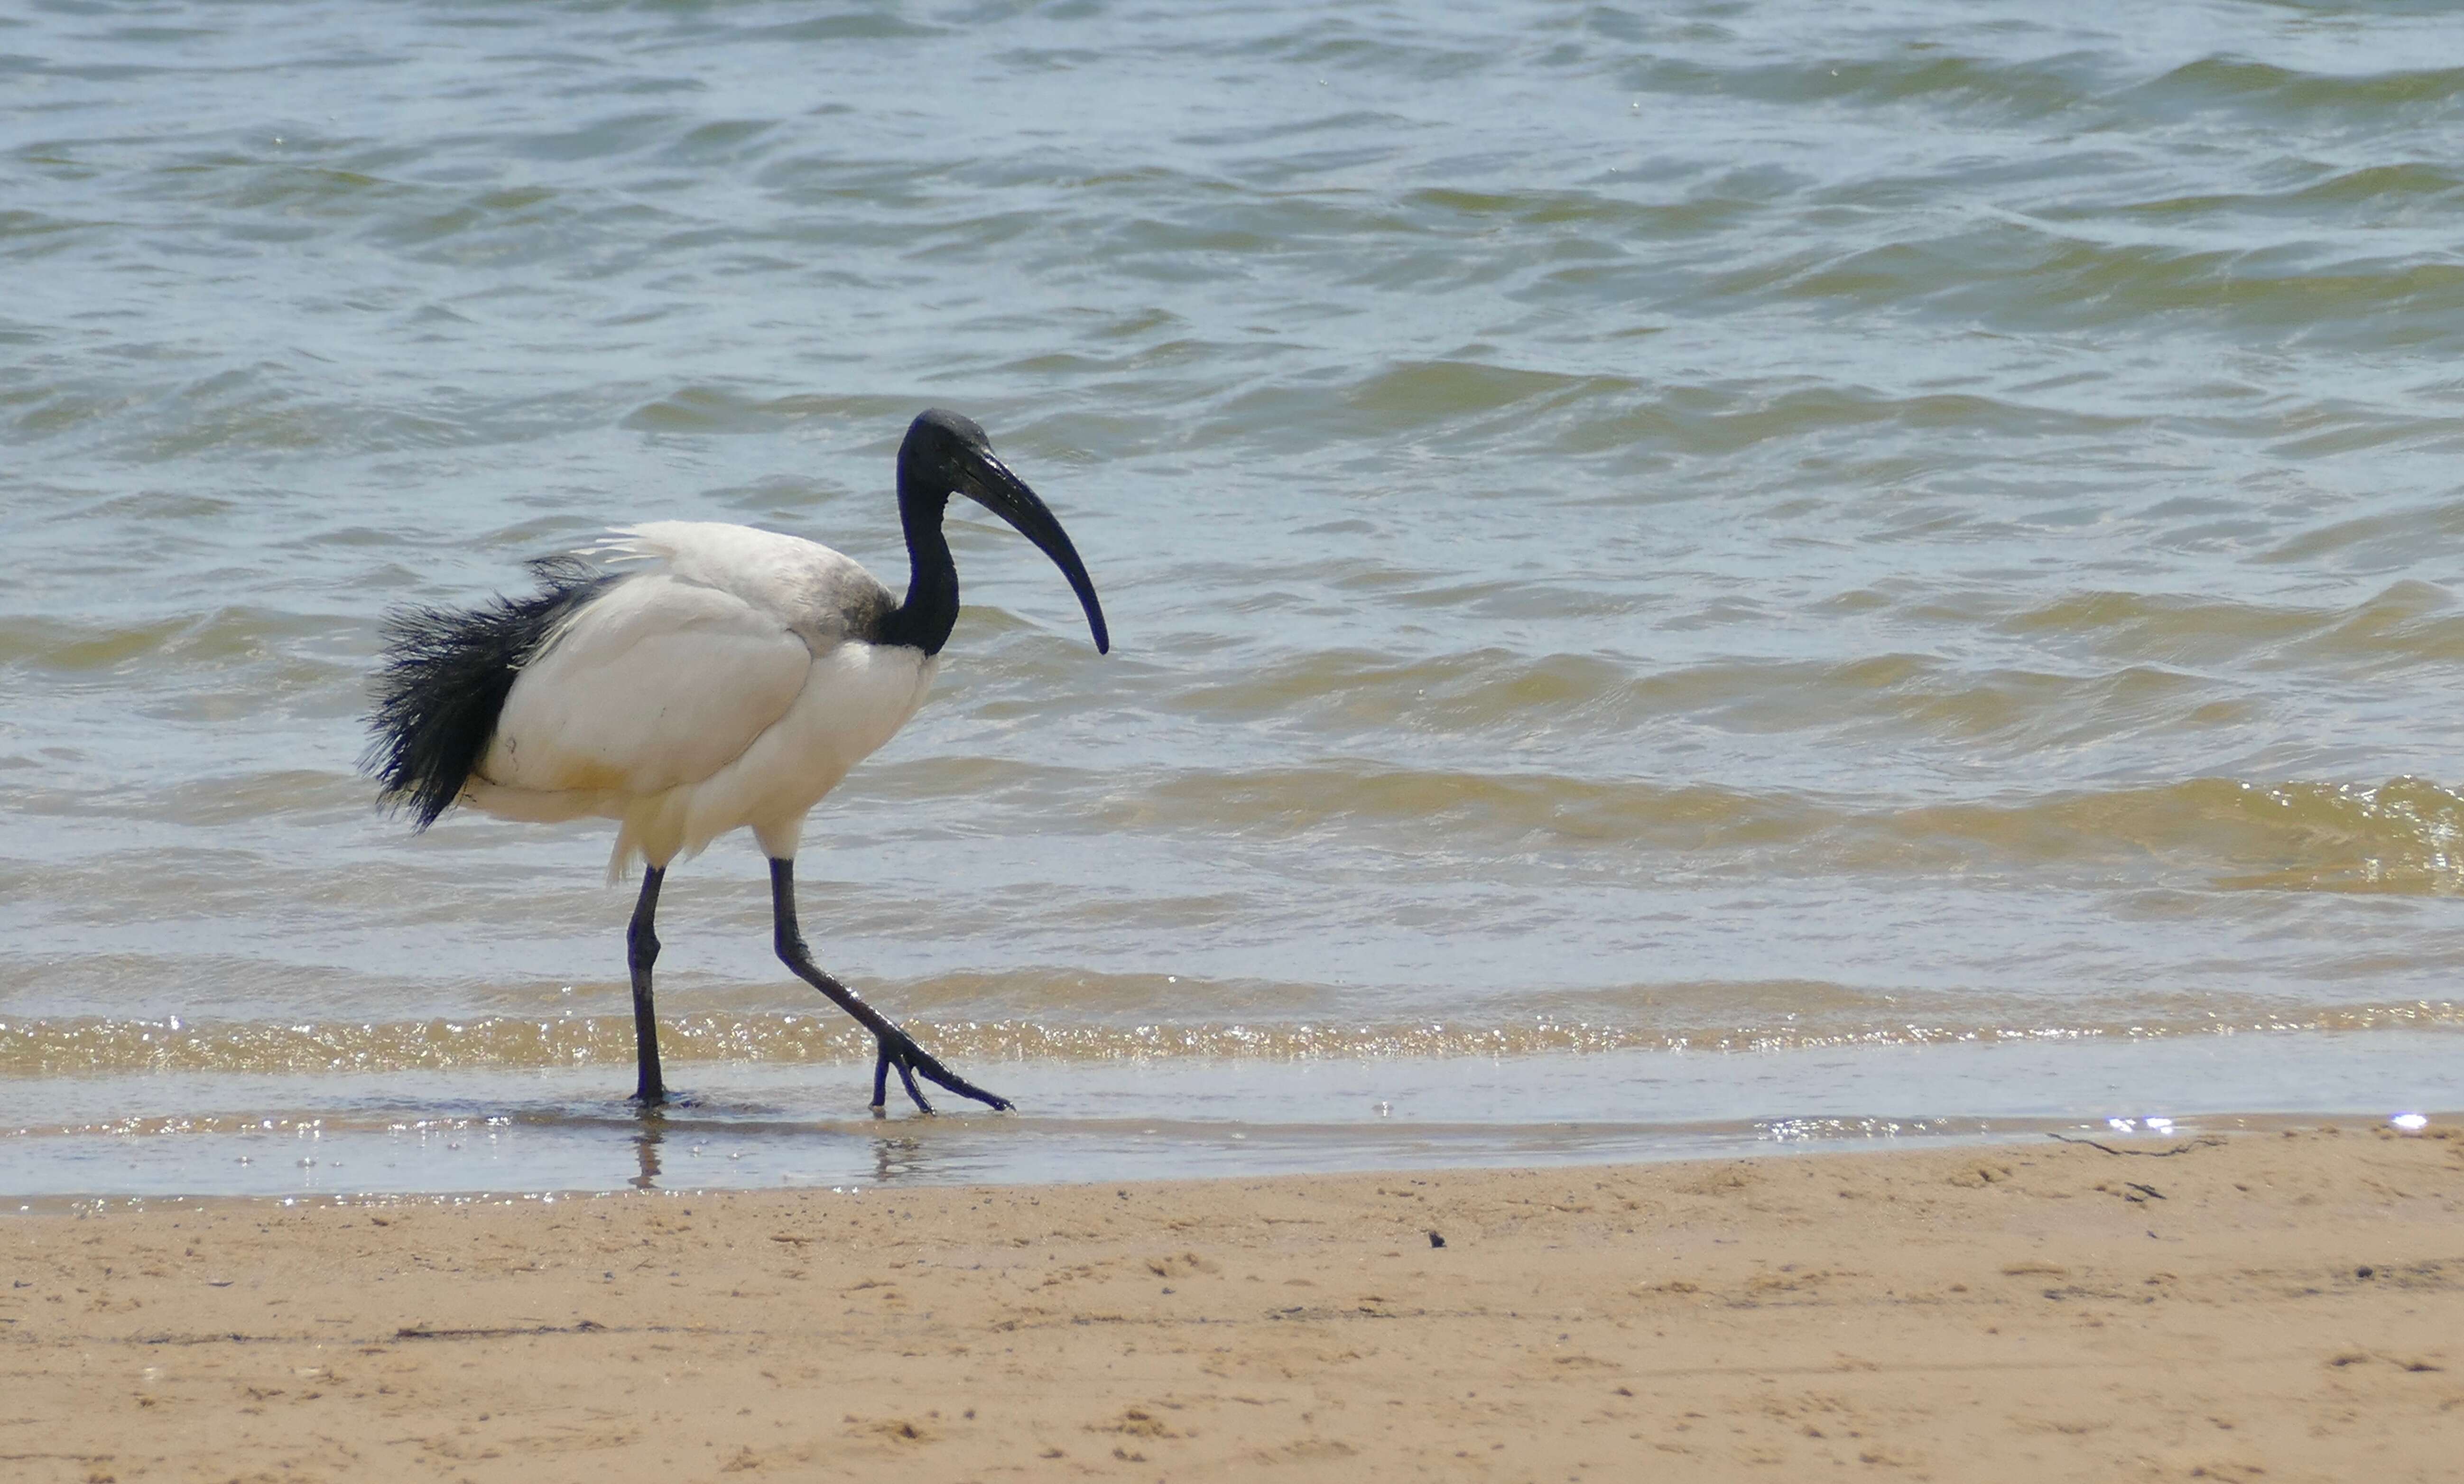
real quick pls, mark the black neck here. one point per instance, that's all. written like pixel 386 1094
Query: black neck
pixel 931 608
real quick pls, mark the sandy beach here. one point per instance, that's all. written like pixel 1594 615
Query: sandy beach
pixel 2264 1306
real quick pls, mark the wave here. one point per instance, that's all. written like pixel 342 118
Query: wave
pixel 102 1045
pixel 2247 84
pixel 2404 836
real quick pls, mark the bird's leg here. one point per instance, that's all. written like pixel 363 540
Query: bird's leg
pixel 642 950
pixel 899 1049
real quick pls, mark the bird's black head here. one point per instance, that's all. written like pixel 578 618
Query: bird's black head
pixel 946 453
pixel 935 442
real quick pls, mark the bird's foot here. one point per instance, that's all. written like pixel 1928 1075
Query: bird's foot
pixel 899 1051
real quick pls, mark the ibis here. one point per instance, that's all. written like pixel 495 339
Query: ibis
pixel 710 677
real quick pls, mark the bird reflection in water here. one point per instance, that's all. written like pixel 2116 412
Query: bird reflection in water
pixel 646 1149
pixel 896 1159
pixel 892 1159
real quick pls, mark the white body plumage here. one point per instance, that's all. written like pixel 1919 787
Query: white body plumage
pixel 724 684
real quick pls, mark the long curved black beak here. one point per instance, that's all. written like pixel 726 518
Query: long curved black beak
pixel 988 482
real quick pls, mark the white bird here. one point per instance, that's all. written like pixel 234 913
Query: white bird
pixel 730 681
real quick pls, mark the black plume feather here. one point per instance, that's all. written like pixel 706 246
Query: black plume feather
pixel 445 678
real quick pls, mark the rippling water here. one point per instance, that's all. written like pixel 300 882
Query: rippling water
pixel 1909 547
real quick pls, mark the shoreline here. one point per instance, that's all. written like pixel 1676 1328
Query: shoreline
pixel 661 1175
pixel 2250 1306
pixel 757 1125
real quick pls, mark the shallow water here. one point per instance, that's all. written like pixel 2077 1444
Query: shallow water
pixel 1757 537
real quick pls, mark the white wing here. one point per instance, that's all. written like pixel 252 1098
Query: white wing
pixel 819 593
pixel 657 683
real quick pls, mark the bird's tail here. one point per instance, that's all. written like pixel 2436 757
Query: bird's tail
pixel 445 678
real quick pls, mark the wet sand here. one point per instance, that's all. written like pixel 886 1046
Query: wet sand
pixel 2262 1306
